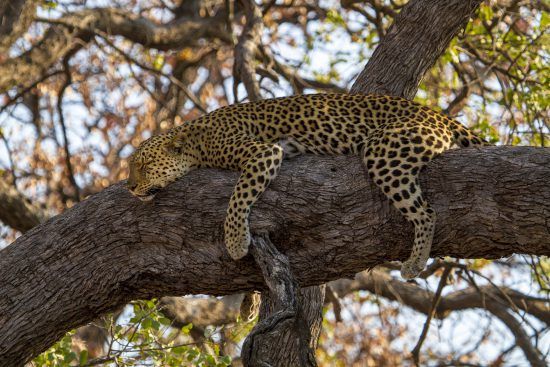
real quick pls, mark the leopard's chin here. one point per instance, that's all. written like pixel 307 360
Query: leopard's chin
pixel 146 197
pixel 149 194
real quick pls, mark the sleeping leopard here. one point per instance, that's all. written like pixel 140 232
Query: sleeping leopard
pixel 394 137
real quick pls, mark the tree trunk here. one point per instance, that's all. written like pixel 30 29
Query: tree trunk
pixel 288 353
pixel 418 36
pixel 289 318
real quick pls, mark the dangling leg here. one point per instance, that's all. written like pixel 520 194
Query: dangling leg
pixel 260 164
pixel 394 158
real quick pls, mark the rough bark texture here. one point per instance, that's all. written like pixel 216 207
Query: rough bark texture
pixel 289 350
pixel 418 36
pixel 112 248
pixel 407 67
pixel 291 317
pixel 285 321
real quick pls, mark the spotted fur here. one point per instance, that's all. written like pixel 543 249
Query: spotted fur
pixel 395 138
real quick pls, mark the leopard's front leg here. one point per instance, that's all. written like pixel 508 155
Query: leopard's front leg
pixel 261 166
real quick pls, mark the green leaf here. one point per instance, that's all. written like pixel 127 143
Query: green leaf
pixel 146 323
pixel 187 328
pixel 226 360
pixel 83 357
pixel 544 20
pixel 50 4
pixel 165 321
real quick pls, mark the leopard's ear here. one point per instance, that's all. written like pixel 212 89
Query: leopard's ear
pixel 176 144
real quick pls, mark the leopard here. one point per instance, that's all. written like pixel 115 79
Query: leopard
pixel 395 138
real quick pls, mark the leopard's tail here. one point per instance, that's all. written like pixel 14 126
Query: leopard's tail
pixel 463 137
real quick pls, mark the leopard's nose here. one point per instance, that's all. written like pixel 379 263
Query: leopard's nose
pixel 132 186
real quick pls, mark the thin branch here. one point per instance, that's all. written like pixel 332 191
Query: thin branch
pixel 437 297
pixel 332 298
pixel 20 93
pixel 188 93
pixel 80 26
pixel 532 354
pixel 68 164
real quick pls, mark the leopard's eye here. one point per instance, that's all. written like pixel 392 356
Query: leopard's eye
pixel 142 165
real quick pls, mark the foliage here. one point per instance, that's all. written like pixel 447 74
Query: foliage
pixel 148 338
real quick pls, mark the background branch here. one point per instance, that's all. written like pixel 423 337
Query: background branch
pixel 78 27
pixel 16 210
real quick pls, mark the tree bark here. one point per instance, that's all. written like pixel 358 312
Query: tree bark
pixel 311 301
pixel 282 321
pixel 112 248
pixel 418 36
pixel 395 68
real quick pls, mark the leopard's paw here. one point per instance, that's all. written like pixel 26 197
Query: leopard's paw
pixel 237 244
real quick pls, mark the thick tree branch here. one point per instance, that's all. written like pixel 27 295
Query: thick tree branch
pixel 74 28
pixel 156 253
pixel 213 311
pixel 490 203
pixel 183 31
pixel 418 36
pixel 285 319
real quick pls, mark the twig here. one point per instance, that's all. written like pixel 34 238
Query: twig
pixel 332 297
pixel 179 84
pixel 25 90
pixel 70 170
pixel 437 297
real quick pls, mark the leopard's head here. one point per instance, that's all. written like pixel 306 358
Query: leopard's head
pixel 157 162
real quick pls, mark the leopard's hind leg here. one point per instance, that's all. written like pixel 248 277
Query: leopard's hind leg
pixel 394 156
